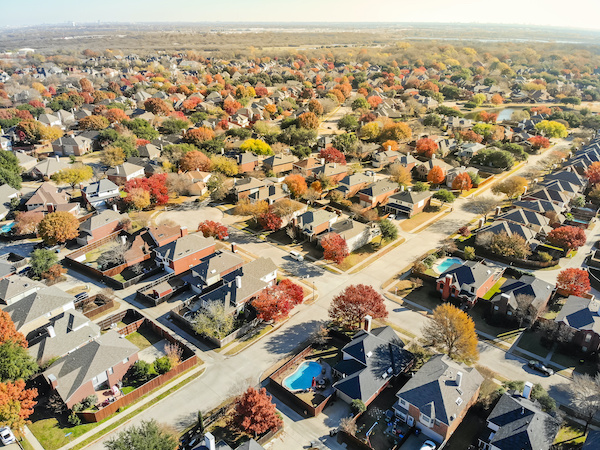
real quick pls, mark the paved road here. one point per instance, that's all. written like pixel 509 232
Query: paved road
pixel 226 376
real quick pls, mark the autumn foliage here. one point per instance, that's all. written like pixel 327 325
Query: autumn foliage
pixel 567 237
pixel 276 302
pixel 354 303
pixel 308 120
pixel 198 135
pixel 8 332
pixel 334 248
pixel 255 412
pixel 462 182
pixel 593 172
pixel 210 228
pixel 538 142
pixel 332 155
pixel 270 221
pixel 573 281
pixel 436 175
pixel 195 160
pixel 157 107
pixel 16 404
pixel 155 185
pixel 58 227
pixel 426 147
pixel 296 184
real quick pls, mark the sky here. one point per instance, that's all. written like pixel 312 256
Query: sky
pixel 563 13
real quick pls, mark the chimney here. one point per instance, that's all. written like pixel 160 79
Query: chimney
pixel 238 282
pixel 123 240
pixel 222 151
pixel 51 331
pixel 368 323
pixel 446 287
pixel 183 231
pixel 322 161
pixel 459 376
pixel 209 441
pixel 527 389
pixel 389 148
pixel 433 156
pixel 233 248
pixel 115 208
pixel 481 222
pixel 402 188
pixel 498 210
pixel 117 169
pixel 334 165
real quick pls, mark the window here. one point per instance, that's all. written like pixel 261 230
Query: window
pixel 426 420
pixel 496 308
pixel 509 313
pixel 403 403
pixel 110 371
pixel 472 289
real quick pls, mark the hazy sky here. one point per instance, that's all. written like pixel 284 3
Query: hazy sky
pixel 567 13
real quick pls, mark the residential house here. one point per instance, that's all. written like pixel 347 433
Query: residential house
pixel 34 309
pixel 199 180
pixel 306 166
pixel 469 149
pixel 356 234
pixel 334 171
pixel 99 364
pixel 208 443
pixel 468 282
pixel 122 173
pixel 48 167
pixel 212 269
pixel 580 315
pixel 509 302
pixel 25 161
pixel 47 199
pixel 8 192
pixel 244 187
pixel 561 199
pixel 407 160
pixel 421 170
pixel 377 193
pixel 312 223
pixel 456 171
pixel 369 362
pixel 408 202
pixel 149 151
pixel 247 162
pixel 539 206
pixel 163 234
pixel 351 184
pixel 511 228
pixel 437 398
pixel 384 158
pixel 280 163
pixel 270 193
pixel 5 144
pixel 100 226
pixel 100 192
pixel 14 288
pixel 10 263
pixel 61 335
pixel 517 422
pixel 72 145
pixel 536 222
pixel 458 123
pixel 184 253
pixel 569 176
pixel 50 120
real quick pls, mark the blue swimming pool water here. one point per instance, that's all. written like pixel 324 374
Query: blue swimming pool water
pixel 302 377
pixel 446 264
pixel 6 228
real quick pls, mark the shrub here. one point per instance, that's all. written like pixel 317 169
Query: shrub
pixel 469 253
pixel 419 267
pixel 162 365
pixel 74 419
pixel 358 406
pixel 545 256
pixel 77 407
pixel 429 261
pixel 464 231
pixel 141 372
pixel 89 401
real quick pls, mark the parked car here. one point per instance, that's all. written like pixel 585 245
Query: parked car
pixel 536 365
pixel 82 296
pixel 296 255
pixel 7 436
pixel 428 445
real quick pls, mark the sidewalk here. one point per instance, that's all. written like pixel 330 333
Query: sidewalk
pixel 29 437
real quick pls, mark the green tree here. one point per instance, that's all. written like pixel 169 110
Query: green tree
pixel 10 171
pixel 346 143
pixel 552 129
pixel 348 123
pixel 142 129
pixel 149 435
pixel 389 232
pixel 360 103
pixel 445 196
pixel 215 320
pixel 15 362
pixel 174 126
pixel 41 260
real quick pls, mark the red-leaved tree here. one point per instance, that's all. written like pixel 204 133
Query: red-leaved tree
pixel 210 228
pixel 573 281
pixel 462 182
pixel 255 412
pixel 354 303
pixel 275 302
pixel 332 155
pixel 538 142
pixel 567 237
pixel 270 221
pixel 334 248
pixel 156 186
pixel 593 172
pixel 426 147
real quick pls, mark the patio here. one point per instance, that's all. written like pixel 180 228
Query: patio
pixel 154 352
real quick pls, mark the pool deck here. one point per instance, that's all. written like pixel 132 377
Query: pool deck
pixel 324 376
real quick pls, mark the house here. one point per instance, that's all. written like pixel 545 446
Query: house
pixel 48 167
pixel 208 443
pixel 384 158
pixel 580 315
pixel 50 120
pixel 469 149
pixel 280 163
pixel 163 234
pixel 356 234
pixel 506 302
pixel 99 364
pixel 510 228
pixel 408 202
pixel 538 206
pixel 536 222
pixel 334 171
pixel 420 171
pixel 247 162
pixel 99 226
pixel 184 253
pixel 122 173
pixel 408 161
pixel 468 282
pixel 149 151
pixel 31 311
pixel 369 362
pixel 14 288
pixel 438 396
pixel 312 223
pixel 47 199
pixel 100 192
pixel 456 171
pixel 517 422
pixel 8 192
pixel 351 184
pixel 25 161
pixel 377 193
pixel 560 199
pixel 199 180
pixel 245 186
pixel 212 270
pixel 306 166
pixel 270 193
pixel 61 335
pixel 5 143
pixel 72 145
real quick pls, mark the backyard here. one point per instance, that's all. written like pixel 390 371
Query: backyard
pixel 143 338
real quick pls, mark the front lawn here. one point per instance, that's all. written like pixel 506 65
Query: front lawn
pixel 426 296
pixel 570 435
pixel 419 219
pixel 52 435
pixel 531 341
pixel 575 363
pixel 506 334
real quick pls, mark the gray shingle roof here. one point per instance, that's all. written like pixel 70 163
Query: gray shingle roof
pixel 509 228
pixel 37 305
pixel 379 187
pixel 99 220
pixel 580 313
pixel 410 196
pixel 469 274
pixel 526 285
pixel 13 286
pixel 184 246
pixel 100 187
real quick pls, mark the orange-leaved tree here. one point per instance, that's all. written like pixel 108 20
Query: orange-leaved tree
pixel 58 227
pixel 195 160
pixel 436 175
pixel 210 228
pixel 354 303
pixel 573 281
pixel 255 412
pixel 593 172
pixel 462 182
pixel 296 184
pixel 334 248
pixel 8 332
pixel 16 404
pixel 426 147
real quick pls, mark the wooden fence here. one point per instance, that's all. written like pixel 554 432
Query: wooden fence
pixel 90 313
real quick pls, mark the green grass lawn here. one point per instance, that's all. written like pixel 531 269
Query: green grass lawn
pixel 242 344
pixel 143 338
pixel 52 435
pixel 26 445
pixel 531 342
pixel 506 334
pixel 574 363
pixel 570 433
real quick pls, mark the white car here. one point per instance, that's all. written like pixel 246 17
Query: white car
pixel 7 436
pixel 296 255
pixel 428 445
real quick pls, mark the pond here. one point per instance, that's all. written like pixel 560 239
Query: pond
pixel 506 113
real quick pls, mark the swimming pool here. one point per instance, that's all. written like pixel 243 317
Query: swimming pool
pixel 6 228
pixel 446 264
pixel 303 376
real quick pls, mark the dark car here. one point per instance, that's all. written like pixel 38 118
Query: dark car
pixel 536 365
pixel 81 296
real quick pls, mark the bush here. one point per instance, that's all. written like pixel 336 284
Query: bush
pixel 141 372
pixel 419 267
pixel 464 231
pixel 469 253
pixel 545 256
pixel 358 406
pixel 74 419
pixel 429 261
pixel 77 407
pixel 89 401
pixel 162 365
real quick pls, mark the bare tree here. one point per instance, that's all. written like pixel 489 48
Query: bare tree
pixel 482 206
pixel 584 392
pixel 524 310
pixel 291 232
pixel 484 239
pixel 114 256
pixel 347 425
pixel 215 320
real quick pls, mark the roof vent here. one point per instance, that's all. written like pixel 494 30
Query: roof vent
pixel 459 401
pixel 369 354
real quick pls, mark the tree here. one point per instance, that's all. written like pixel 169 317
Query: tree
pixel 15 362
pixel 567 237
pixel 94 122
pixel 308 121
pixel 334 248
pixel 426 147
pixel 141 128
pixel 113 156
pixel 444 196
pixel 552 129
pixel 400 174
pixel 195 160
pixel 360 103
pixel 285 207
pixel 512 187
pixel 8 332
pixel 156 185
pixel 453 332
pixel 354 303
pixel 58 227
pixel 74 175
pixel 270 221
pixel 209 228
pixel 275 303
pixel 396 131
pixel 149 435
pixel 436 175
pixel 247 208
pixel 348 123
pixel 27 222
pixel 593 172
pixel 255 412
pixel 388 230
pixel 370 131
pixel 215 320
pixel 10 171
pixel 157 106
pixel 538 142
pixel 16 404
pixel 573 281
pixel 482 206
pixel 139 198
pixel 584 393
pixel 198 135
pixel 525 308
pixel 497 99
pixel 332 155
pixel 513 246
pixel 224 165
pixel 41 260
pixel 217 186
pixel 256 146
pixel 315 106
pixel 462 182
pixel 358 406
pixel 432 120
pixel 116 115
pixel 296 185
pixel 174 125
pixel 346 143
